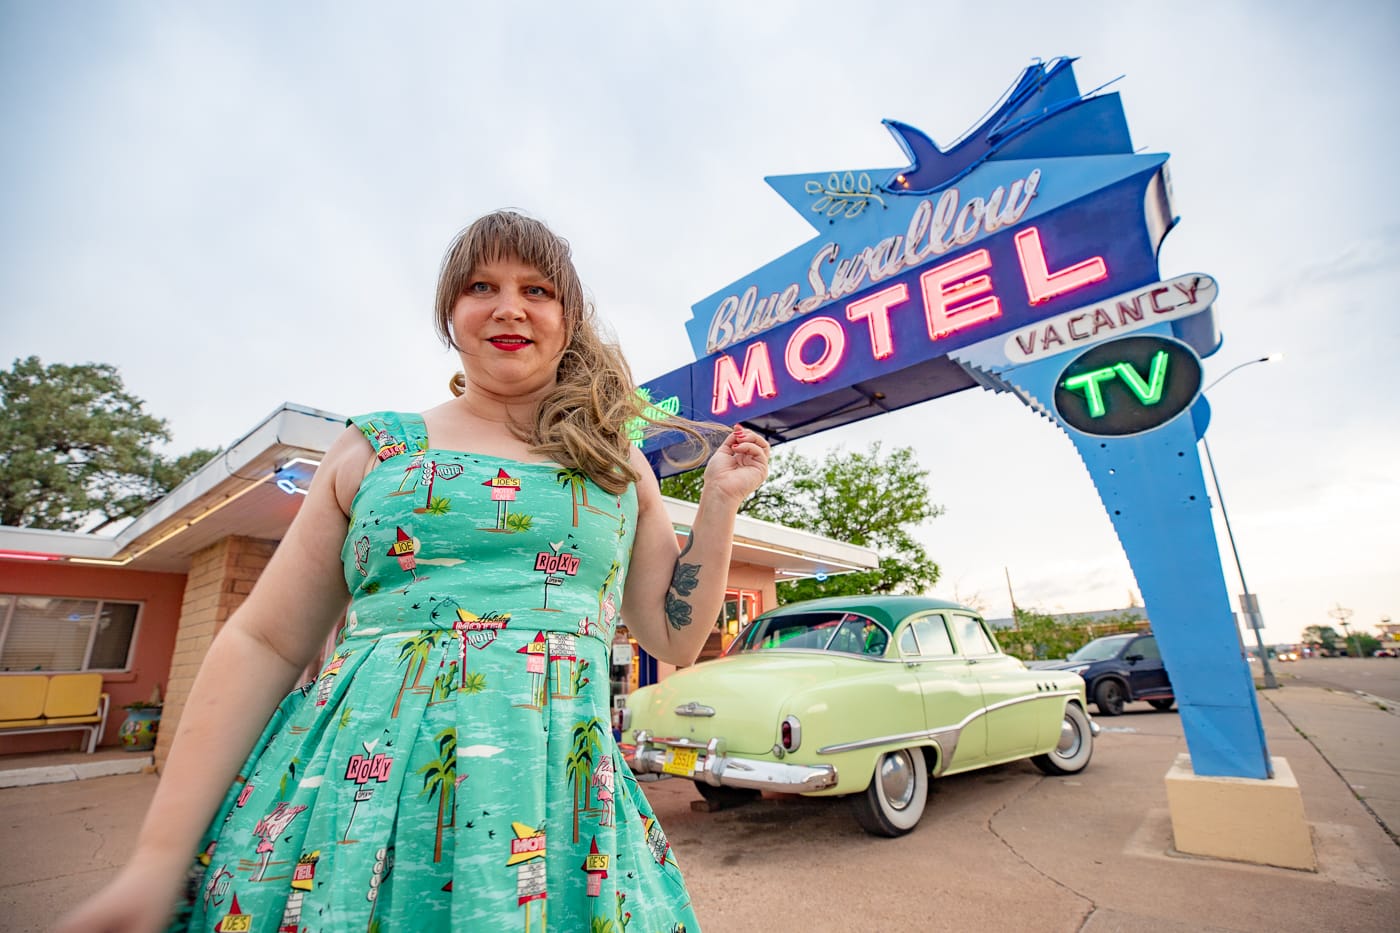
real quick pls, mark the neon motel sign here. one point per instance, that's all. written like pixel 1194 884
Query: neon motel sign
pixel 1022 259
pixel 951 296
pixel 1035 235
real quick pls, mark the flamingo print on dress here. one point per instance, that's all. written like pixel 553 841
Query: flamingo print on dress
pixel 269 828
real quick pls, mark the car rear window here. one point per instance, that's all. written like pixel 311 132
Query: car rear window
pixel 844 632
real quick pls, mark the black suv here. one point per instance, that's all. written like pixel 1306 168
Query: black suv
pixel 1118 669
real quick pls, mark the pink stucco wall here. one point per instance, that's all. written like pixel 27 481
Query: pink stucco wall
pixel 161 594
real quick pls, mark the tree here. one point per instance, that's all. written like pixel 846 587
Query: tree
pixel 870 499
pixel 1366 644
pixel 1038 636
pixel 77 448
pixel 1322 636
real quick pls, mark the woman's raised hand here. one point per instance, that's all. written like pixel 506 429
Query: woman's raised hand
pixel 739 466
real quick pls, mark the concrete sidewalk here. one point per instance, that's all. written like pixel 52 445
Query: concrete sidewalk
pixel 1359 736
pixel 1001 849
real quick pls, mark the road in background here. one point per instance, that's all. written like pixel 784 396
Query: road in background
pixel 1379 677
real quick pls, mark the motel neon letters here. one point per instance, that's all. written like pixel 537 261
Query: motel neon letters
pixel 954 295
pixel 933 230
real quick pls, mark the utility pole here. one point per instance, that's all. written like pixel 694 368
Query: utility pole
pixel 1249 603
pixel 1015 619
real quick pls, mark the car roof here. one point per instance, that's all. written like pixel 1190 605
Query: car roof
pixel 888 610
pixel 1122 635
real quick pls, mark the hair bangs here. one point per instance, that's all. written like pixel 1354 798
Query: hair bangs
pixel 508 236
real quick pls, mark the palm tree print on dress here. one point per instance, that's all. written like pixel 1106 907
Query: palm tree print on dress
pixel 440 781
pixel 432 471
pixel 577 482
pixel 404 653
pixel 587 738
pixel 413 653
pixel 504 488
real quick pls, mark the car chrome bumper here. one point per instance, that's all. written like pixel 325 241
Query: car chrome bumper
pixel 714 767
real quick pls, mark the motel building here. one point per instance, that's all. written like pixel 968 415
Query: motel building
pixel 141 607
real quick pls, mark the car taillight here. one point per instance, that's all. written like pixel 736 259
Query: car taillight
pixel 790 733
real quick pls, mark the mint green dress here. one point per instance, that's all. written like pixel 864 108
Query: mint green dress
pixel 453 766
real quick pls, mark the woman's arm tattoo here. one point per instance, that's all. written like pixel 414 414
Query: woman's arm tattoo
pixel 683 583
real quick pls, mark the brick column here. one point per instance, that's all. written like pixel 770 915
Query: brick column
pixel 221 576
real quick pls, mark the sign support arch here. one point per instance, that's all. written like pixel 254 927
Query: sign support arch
pixel 1022 259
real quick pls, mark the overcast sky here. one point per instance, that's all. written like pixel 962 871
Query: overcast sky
pixel 244 204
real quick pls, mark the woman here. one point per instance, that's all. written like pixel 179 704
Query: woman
pixel 448 769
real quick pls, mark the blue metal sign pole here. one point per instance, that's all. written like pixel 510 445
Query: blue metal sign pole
pixel 1154 491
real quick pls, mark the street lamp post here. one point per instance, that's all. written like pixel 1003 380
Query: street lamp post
pixel 1270 683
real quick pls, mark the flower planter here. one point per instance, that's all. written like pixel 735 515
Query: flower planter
pixel 138 732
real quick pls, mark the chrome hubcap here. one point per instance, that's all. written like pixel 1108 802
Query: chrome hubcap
pixel 897 779
pixel 1069 739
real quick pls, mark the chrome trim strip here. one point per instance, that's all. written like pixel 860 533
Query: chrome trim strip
pixel 871 743
pixel 826 654
pixel 953 731
pixel 694 709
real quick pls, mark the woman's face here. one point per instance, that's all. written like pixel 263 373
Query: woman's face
pixel 509 328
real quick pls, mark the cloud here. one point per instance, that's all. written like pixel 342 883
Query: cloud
pixel 479 751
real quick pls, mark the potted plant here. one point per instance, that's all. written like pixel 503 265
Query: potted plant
pixel 138 731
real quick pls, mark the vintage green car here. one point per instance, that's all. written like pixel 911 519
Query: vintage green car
pixel 866 696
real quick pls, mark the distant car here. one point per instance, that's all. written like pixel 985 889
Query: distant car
pixel 1118 669
pixel 860 696
pixel 1383 653
pixel 1286 654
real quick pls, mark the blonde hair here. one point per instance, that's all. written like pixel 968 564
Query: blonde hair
pixel 584 421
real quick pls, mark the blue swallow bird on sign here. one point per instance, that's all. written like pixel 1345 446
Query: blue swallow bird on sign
pixel 1042 92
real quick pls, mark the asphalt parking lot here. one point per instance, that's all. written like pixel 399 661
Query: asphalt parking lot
pixel 1001 849
pixel 1010 849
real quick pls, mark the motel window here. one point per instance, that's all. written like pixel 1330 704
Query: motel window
pixel 60 633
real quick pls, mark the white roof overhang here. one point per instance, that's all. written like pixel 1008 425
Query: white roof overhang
pixel 255 487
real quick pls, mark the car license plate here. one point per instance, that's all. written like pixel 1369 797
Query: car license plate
pixel 680 761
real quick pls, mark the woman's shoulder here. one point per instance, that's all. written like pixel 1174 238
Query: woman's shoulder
pixel 391 433
pixel 647 486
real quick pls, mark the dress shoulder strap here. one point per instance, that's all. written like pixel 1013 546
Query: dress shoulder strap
pixel 392 433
